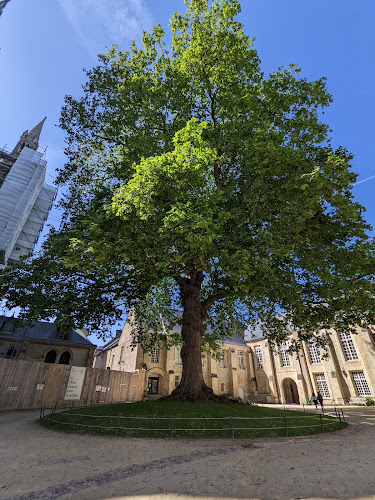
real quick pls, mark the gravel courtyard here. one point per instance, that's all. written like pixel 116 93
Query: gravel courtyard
pixel 42 464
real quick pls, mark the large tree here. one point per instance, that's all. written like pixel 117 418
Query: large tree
pixel 196 184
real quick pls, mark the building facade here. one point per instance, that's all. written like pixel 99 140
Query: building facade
pixel 255 371
pixel 44 343
pixel 25 198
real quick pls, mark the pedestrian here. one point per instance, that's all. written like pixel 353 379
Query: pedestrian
pixel 314 400
pixel 320 399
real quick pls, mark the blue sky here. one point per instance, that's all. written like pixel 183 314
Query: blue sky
pixel 45 44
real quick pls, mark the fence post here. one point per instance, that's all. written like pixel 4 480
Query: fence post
pixel 342 411
pixel 171 427
pixel 303 407
pixel 118 418
pixel 340 420
pixel 50 419
pixel 321 421
pixel 231 425
pixel 76 423
pixel 286 426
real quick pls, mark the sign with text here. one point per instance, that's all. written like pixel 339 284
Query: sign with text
pixel 75 382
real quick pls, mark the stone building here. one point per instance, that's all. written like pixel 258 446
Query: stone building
pixel 44 342
pixel 345 371
pixel 233 374
pixel 254 371
pixel 25 198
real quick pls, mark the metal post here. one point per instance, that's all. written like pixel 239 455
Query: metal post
pixel 171 427
pixel 321 421
pixel 50 419
pixel 76 423
pixel 231 424
pixel 118 418
pixel 342 411
pixel 286 427
pixel 303 407
pixel 340 420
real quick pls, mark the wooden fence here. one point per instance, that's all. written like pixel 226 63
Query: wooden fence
pixel 30 384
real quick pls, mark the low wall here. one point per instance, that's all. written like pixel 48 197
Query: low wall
pixel 29 385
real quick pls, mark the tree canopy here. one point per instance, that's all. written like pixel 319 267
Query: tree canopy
pixel 196 183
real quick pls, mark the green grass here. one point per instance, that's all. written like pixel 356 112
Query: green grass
pixel 188 420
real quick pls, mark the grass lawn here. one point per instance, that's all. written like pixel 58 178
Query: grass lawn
pixel 188 420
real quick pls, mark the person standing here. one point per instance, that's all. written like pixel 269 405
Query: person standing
pixel 320 399
pixel 314 400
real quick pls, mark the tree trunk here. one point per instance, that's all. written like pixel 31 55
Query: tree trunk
pixel 192 386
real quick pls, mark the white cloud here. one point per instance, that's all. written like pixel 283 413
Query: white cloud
pixel 101 23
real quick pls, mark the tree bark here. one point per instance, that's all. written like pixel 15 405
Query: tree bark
pixel 192 386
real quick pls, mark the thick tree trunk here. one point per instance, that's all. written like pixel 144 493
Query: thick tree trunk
pixel 192 386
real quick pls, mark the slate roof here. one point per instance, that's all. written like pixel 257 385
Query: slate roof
pixel 40 331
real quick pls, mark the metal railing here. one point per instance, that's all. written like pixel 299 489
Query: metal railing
pixel 231 425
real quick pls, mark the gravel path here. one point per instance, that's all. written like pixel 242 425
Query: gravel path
pixel 42 464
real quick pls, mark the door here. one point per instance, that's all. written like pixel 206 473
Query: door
pixel 153 385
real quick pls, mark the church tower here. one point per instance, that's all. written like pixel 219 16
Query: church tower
pixel 25 198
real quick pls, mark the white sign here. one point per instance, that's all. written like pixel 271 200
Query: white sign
pixel 98 388
pixel 104 389
pixel 39 387
pixel 12 389
pixel 75 382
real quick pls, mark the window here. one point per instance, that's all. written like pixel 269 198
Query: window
pixel 258 355
pixel 222 387
pixel 222 359
pixel 50 357
pixel 64 358
pixel 322 386
pixel 177 356
pixel 122 354
pixel 313 352
pixel 113 360
pixel 361 384
pixel 176 381
pixel 12 352
pixel 348 346
pixel 155 355
pixel 202 360
pixel 285 360
pixel 241 362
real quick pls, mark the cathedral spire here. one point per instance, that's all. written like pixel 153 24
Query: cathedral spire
pixel 29 139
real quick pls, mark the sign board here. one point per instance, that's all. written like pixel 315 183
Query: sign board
pixel 104 389
pixel 75 382
pixel 98 388
pixel 39 387
pixel 12 389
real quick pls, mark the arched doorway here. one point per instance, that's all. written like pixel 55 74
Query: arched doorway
pixel 290 391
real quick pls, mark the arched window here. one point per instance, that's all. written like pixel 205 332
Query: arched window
pixel 12 352
pixel 50 357
pixel 222 387
pixel 64 358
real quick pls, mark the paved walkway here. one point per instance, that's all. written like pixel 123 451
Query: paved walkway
pixel 42 464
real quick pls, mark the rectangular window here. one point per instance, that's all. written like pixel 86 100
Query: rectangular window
pixel 361 384
pixel 202 360
pixel 122 354
pixel 284 355
pixel 177 356
pixel 348 346
pixel 155 355
pixel 241 362
pixel 113 360
pixel 222 359
pixel 313 352
pixel 176 381
pixel 258 355
pixel 322 386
